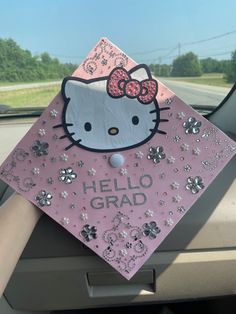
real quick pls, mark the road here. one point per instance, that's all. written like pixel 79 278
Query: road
pixel 26 86
pixel 194 94
pixel 197 94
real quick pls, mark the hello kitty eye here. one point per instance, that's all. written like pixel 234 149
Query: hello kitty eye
pixel 87 126
pixel 135 120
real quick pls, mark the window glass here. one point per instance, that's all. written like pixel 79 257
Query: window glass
pixel 190 46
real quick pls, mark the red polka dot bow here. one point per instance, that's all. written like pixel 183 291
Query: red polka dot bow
pixel 121 84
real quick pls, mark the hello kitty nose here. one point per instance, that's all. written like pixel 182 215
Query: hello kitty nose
pixel 113 131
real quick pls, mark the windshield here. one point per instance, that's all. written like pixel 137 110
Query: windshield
pixel 190 46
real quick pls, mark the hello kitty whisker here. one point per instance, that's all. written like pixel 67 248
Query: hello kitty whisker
pixel 161 132
pixel 61 125
pixel 73 144
pixel 164 120
pixel 155 120
pixel 64 136
pixel 164 108
pixel 158 131
pixel 153 111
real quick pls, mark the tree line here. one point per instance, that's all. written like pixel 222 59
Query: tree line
pixel 190 65
pixel 19 65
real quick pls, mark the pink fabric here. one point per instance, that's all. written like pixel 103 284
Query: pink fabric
pixel 124 213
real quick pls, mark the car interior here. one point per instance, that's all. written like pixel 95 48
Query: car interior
pixel 56 272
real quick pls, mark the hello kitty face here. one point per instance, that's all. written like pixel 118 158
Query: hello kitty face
pixel 111 113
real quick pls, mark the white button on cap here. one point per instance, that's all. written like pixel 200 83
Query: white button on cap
pixel 116 160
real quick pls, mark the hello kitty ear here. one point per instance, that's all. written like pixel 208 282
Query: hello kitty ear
pixel 140 72
pixel 68 87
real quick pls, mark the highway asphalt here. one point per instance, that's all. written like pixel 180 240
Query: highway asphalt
pixel 193 94
pixel 197 94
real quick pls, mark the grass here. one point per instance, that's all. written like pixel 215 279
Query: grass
pixel 30 97
pixel 42 96
pixel 2 83
pixel 211 79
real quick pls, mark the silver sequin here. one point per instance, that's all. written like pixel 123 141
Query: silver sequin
pixel 89 233
pixel 156 154
pixel 80 163
pixel 53 113
pixel 169 222
pixel 181 209
pixel 92 172
pixel 192 126
pixel 151 230
pixel 67 175
pixel 40 148
pixel 149 213
pixel 187 168
pixel 123 171
pixel 194 184
pixel 43 198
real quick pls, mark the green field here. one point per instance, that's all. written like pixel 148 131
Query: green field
pixel 30 97
pixel 23 82
pixel 42 96
pixel 212 79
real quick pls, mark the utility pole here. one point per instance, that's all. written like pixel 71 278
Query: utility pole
pixel 179 47
pixel 159 66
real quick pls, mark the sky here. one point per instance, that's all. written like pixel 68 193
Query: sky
pixel 150 31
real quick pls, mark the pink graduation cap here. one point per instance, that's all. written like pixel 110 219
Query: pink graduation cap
pixel 117 158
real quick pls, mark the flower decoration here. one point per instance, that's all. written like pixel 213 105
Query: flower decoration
pixel 187 168
pixel 176 138
pixel 64 157
pixel 89 233
pixel 128 245
pixel 169 222
pixel 181 209
pixel 156 154
pixel 50 180
pixel 123 171
pixel 180 115
pixel 149 213
pixel 168 101
pixel 184 147
pixel 174 185
pixel 196 151
pixel 123 252
pixel 43 198
pixel 55 137
pixel 192 126
pixel 123 234
pixel 53 113
pixel 40 148
pixel 80 163
pixel 177 198
pixel 162 175
pixel 151 230
pixel 139 155
pixel 194 184
pixel 64 194
pixel 36 170
pixel 67 175
pixel 92 172
pixel 84 216
pixel 65 220
pixel 170 160
pixel 41 132
pixel 162 203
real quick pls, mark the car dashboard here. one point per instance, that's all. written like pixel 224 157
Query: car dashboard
pixel 197 260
